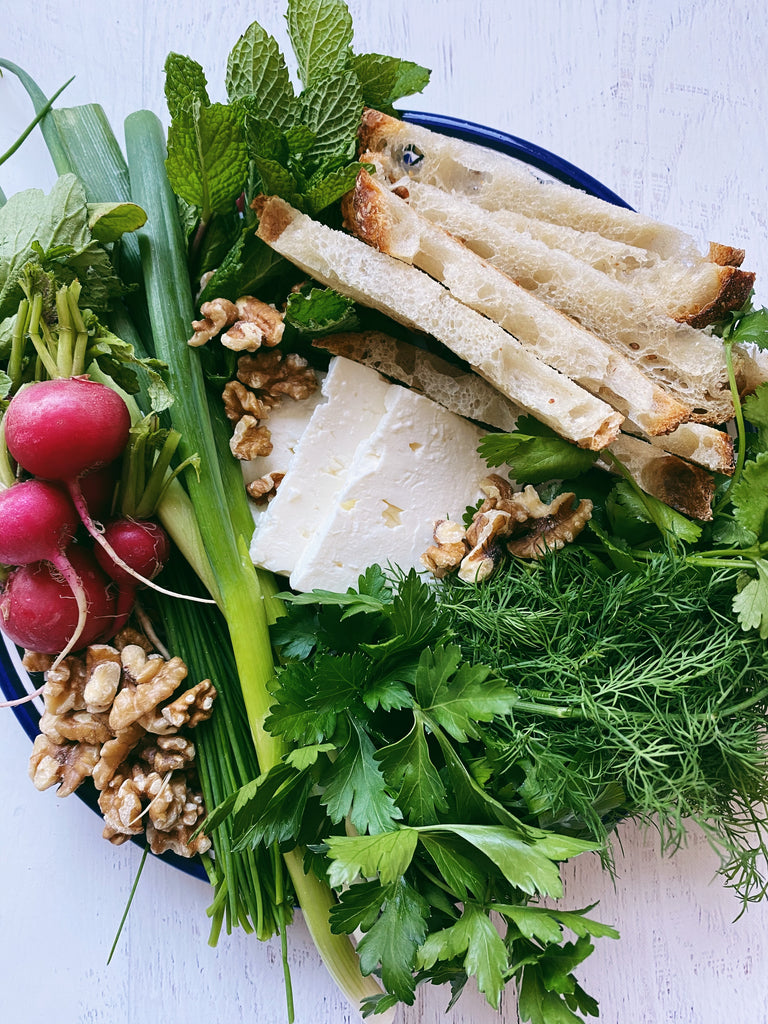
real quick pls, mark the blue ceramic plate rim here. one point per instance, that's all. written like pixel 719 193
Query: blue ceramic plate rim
pixel 11 682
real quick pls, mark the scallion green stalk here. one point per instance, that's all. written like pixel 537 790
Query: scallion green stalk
pixel 169 299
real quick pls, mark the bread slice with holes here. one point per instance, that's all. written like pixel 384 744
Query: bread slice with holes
pixel 386 221
pixel 409 296
pixel 663 262
pixel 688 362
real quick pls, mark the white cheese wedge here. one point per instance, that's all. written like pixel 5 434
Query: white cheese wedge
pixel 420 464
pixel 353 406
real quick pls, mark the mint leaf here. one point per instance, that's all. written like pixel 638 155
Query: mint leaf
pixel 256 69
pixel 331 109
pixel 387 855
pixel 251 267
pixel 412 776
pixel 356 788
pixel 393 939
pixel 387 79
pixel 207 158
pixel 299 139
pixel 184 82
pixel 330 188
pixel 277 180
pixel 750 603
pixel 322 311
pixel 321 35
pixel 750 497
pixel 535 459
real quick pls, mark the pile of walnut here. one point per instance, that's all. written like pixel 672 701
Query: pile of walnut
pixel 263 379
pixel 118 713
pixel 517 521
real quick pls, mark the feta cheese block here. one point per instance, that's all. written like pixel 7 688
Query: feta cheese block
pixel 418 465
pixel 352 406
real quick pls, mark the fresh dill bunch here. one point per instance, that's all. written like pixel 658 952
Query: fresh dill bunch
pixel 640 696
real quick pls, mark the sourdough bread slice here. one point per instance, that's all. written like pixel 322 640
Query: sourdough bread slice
pixel 386 221
pixel 411 297
pixel 689 363
pixel 449 385
pixel 682 486
pixel 687 284
pixel 497 181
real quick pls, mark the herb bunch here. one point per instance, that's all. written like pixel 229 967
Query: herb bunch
pixel 387 787
pixel 270 138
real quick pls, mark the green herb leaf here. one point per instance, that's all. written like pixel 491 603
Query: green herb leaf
pixel 474 938
pixel 207 158
pixel 330 188
pixel 458 695
pixel 750 603
pixel 322 311
pixel 521 862
pixel 750 497
pixel 331 109
pixel 356 787
pixel 184 82
pixel 756 413
pixel 321 35
pixel 109 221
pixel 385 80
pixel 536 459
pixel 256 69
pixel 387 854
pixel 412 776
pixel 394 937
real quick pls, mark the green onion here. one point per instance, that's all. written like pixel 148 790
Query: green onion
pixel 221 522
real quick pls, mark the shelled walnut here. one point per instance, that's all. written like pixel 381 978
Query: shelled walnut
pixel 120 714
pixel 518 521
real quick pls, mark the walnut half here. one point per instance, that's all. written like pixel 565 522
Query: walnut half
pixel 518 522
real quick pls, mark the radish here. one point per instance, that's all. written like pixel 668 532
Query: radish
pixel 64 428
pixel 140 543
pixel 37 523
pixel 60 429
pixel 38 610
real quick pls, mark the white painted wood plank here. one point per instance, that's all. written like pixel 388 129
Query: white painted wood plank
pixel 662 100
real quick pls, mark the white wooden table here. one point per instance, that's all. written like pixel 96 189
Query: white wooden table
pixel 665 102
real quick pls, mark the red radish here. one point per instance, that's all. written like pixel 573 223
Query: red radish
pixel 141 543
pixel 62 429
pixel 37 523
pixel 38 610
pixel 98 489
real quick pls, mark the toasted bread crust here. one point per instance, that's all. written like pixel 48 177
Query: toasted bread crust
pixel 735 288
pixel 274 216
pixel 725 255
